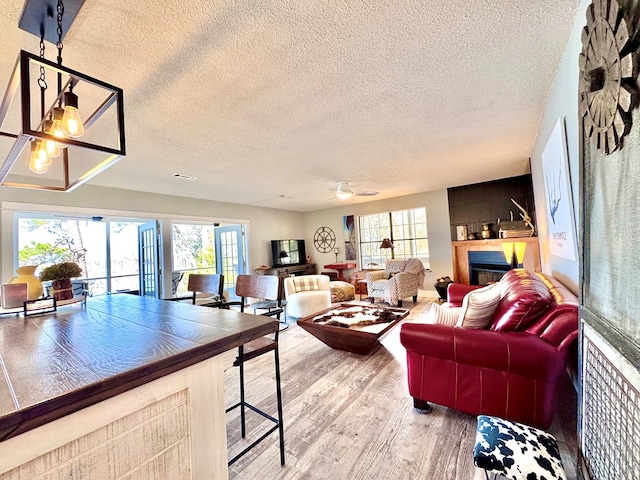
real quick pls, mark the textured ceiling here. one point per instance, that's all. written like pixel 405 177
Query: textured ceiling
pixel 270 103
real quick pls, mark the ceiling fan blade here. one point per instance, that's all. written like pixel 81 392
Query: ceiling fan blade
pixel 367 193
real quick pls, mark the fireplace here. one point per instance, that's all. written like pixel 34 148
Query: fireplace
pixel 461 250
pixel 486 267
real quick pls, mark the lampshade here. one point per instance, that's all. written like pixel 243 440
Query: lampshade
pixel 514 253
pixel 283 254
pixel 386 243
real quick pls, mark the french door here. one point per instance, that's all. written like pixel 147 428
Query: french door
pixel 230 256
pixel 148 256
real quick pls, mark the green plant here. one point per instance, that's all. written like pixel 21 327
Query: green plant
pixel 60 271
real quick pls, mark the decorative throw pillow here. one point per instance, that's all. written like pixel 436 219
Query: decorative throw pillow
pixel 443 315
pixel 305 283
pixel 478 307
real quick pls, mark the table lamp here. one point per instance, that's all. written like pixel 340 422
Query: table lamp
pixel 336 250
pixel 386 243
pixel 514 253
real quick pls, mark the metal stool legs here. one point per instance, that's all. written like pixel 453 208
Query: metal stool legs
pixel 242 404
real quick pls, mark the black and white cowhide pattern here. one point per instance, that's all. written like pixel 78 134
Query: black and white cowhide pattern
pixel 516 451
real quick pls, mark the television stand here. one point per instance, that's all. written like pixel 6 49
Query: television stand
pixel 293 270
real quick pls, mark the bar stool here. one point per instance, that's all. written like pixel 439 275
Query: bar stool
pixel 269 305
pixel 268 288
pixel 516 451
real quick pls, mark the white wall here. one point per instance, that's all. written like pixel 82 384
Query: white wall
pixel 438 229
pixel 563 101
pixel 263 224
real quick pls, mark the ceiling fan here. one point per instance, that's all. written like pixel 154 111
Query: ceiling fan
pixel 343 191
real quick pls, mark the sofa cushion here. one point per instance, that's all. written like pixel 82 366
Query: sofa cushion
pixel 443 315
pixel 305 283
pixel 478 307
pixel 524 299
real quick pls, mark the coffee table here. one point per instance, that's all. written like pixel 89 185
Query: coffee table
pixel 356 338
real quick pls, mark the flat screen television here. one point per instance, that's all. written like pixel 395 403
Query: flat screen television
pixel 288 252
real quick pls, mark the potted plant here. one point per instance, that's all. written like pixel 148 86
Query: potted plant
pixel 60 275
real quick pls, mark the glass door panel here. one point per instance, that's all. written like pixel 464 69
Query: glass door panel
pixel 148 258
pixel 230 254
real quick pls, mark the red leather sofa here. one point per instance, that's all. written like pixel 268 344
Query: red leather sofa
pixel 513 368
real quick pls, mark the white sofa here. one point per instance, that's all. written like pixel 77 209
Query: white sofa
pixel 307 294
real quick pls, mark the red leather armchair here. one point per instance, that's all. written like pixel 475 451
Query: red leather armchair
pixel 512 374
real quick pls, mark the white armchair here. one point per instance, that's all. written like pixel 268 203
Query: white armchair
pixel 307 294
pixel 393 284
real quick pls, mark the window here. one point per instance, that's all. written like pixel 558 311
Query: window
pixel 44 240
pixel 123 247
pixel 193 251
pixel 407 230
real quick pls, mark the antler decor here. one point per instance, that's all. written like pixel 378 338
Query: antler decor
pixel 526 217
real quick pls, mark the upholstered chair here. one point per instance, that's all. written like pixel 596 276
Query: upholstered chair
pixel 405 284
pixel 307 294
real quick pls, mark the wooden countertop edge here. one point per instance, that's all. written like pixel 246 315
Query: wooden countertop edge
pixel 40 414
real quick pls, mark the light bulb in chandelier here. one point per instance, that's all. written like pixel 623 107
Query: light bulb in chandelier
pixel 43 154
pixel 71 121
pixel 56 128
pixel 51 146
pixel 38 161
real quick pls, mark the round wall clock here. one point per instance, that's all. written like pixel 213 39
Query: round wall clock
pixel 324 239
pixel 608 68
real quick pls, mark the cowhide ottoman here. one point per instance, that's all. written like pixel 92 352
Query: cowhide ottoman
pixel 342 291
pixel 516 451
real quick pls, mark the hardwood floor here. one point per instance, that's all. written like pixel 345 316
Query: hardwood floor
pixel 348 416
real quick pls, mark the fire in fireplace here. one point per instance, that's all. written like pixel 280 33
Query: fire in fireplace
pixel 487 267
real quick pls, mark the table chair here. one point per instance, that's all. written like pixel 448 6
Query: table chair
pixel 208 283
pixel 269 305
pixel 268 288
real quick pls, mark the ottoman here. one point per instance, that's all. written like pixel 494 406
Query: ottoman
pixel 342 291
pixel 516 451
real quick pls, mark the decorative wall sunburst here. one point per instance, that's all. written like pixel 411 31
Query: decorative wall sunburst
pixel 607 82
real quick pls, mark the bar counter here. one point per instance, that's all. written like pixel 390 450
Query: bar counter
pixel 121 375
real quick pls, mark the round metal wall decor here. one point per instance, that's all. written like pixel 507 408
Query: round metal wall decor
pixel 324 239
pixel 608 68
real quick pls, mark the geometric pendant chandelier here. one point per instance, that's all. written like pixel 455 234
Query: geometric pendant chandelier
pixel 58 127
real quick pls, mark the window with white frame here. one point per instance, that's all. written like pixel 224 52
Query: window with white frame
pixel 107 251
pixel 406 229
pixel 193 251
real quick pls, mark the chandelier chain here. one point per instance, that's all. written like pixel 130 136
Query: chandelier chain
pixel 60 10
pixel 42 83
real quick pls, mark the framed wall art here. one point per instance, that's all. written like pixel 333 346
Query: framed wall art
pixel 349 237
pixel 561 225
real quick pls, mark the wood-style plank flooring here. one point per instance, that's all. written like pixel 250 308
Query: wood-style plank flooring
pixel 348 416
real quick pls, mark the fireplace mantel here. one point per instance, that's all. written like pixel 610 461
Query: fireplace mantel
pixel 461 254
